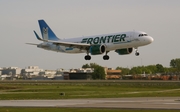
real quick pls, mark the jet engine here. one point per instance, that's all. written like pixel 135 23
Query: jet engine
pixel 97 49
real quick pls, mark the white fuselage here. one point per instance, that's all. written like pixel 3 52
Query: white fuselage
pixel 113 41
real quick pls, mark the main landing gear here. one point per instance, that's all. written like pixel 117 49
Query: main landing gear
pixel 105 57
pixel 87 57
pixel 136 52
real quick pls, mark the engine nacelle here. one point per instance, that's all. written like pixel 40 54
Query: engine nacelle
pixel 97 49
pixel 124 51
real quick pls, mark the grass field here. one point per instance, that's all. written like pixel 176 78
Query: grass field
pixel 84 89
pixel 77 110
pixel 15 90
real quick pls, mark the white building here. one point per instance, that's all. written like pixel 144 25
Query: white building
pixel 6 77
pixel 32 71
pixel 82 70
pixel 52 72
pixel 11 71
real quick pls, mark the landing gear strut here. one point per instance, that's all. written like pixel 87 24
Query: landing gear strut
pixel 106 57
pixel 87 57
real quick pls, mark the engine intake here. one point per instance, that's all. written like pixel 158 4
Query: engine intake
pixel 124 51
pixel 97 49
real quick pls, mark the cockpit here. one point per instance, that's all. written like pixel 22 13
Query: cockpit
pixel 140 35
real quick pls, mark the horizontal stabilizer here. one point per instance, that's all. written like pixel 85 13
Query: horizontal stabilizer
pixel 32 44
pixel 37 36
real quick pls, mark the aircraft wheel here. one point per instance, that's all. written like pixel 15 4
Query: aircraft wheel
pixel 106 57
pixel 87 57
pixel 137 53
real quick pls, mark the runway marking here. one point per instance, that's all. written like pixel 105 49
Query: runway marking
pixel 135 92
pixel 142 102
pixel 172 103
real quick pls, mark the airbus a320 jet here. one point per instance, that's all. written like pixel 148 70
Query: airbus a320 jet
pixel 122 43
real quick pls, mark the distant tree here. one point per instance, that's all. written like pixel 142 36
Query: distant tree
pixel 170 70
pixel 98 73
pixel 124 71
pixel 160 68
pixel 145 70
pixel 152 69
pixel 175 63
pixel 86 66
pixel 136 70
pixel 141 70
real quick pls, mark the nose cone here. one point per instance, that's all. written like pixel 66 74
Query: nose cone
pixel 149 39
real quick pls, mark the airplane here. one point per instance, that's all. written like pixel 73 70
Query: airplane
pixel 122 43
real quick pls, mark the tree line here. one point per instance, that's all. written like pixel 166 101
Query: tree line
pixel 154 69
pixel 174 69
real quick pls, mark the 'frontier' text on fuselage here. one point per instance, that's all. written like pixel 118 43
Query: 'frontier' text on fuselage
pixel 105 39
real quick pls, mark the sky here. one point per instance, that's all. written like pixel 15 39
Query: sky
pixel 75 18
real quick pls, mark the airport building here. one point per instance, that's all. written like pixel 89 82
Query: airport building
pixel 31 71
pixel 36 73
pixel 86 74
pixel 52 74
pixel 112 73
pixel 11 71
pixel 82 70
pixel 81 74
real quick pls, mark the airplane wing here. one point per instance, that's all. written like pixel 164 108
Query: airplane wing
pixel 71 44
pixel 82 46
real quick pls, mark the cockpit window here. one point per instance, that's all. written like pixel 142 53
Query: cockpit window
pixel 140 35
pixel 145 34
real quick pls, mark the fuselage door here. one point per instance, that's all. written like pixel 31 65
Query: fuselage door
pixel 131 36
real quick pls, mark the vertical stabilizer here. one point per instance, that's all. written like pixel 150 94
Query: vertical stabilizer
pixel 46 31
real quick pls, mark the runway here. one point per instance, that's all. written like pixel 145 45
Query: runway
pixel 123 103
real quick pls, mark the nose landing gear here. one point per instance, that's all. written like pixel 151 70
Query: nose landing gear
pixel 137 52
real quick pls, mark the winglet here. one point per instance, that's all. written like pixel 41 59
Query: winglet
pixel 37 36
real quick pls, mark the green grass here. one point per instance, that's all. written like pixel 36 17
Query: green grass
pixel 77 110
pixel 50 90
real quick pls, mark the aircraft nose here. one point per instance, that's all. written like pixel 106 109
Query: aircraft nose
pixel 149 39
